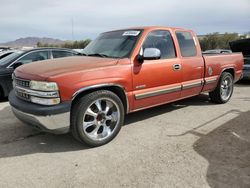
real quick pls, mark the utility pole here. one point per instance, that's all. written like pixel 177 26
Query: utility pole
pixel 72 29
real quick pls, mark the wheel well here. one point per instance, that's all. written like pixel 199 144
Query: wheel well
pixel 230 70
pixel 115 89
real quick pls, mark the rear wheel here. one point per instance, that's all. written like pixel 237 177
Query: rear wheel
pixel 224 89
pixel 97 118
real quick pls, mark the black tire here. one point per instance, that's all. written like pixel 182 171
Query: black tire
pixel 79 113
pixel 216 96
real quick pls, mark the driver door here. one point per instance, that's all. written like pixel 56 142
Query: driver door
pixel 157 81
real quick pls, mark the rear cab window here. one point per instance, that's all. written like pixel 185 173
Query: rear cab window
pixel 186 43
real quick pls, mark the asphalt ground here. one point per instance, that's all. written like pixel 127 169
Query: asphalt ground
pixel 189 143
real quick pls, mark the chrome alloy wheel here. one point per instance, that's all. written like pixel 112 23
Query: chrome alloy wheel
pixel 226 88
pixel 100 119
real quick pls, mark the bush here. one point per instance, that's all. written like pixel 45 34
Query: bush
pixel 218 41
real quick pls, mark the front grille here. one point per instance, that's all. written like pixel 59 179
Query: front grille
pixel 22 95
pixel 21 83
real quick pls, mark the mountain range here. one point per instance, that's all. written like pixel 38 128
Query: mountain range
pixel 31 42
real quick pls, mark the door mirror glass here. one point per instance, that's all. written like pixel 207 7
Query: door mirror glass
pixel 148 54
pixel 151 54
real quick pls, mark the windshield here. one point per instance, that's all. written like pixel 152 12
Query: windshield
pixel 8 59
pixel 114 44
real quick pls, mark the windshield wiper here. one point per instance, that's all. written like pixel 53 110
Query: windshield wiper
pixel 99 55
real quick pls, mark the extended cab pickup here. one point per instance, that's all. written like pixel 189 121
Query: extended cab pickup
pixel 121 71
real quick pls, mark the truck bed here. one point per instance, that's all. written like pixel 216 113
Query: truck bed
pixel 220 61
pixel 216 63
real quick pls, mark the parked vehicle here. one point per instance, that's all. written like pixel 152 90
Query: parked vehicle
pixel 122 71
pixel 4 48
pixel 243 46
pixel 12 61
pixel 217 51
pixel 6 53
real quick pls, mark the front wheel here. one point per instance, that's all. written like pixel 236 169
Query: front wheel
pixel 224 89
pixel 97 118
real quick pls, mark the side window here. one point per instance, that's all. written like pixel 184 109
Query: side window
pixel 186 43
pixel 59 54
pixel 34 56
pixel 161 40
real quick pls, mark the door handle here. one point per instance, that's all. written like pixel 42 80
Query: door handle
pixel 177 67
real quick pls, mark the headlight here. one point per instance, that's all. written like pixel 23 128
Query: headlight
pixel 44 93
pixel 43 86
pixel 45 101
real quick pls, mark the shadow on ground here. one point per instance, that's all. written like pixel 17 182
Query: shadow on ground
pixel 243 83
pixel 18 139
pixel 201 100
pixel 227 149
pixel 3 99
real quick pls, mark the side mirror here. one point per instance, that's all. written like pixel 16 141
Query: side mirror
pixel 17 64
pixel 149 54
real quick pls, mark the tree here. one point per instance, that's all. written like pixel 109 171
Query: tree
pixel 218 41
pixel 68 44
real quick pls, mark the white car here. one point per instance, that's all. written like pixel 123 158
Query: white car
pixel 6 53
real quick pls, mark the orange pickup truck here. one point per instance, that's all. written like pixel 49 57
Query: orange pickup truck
pixel 120 72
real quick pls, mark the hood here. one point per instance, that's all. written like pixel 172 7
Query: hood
pixel 242 45
pixel 48 68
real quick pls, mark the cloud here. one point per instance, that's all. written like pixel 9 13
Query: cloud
pixel 90 17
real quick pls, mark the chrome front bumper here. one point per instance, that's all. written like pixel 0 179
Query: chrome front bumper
pixel 53 119
pixel 57 124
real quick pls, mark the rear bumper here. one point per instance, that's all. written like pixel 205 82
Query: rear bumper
pixel 53 119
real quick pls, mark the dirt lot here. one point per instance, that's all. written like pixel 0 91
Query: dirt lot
pixel 191 143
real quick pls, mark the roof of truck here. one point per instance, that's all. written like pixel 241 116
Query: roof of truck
pixel 154 27
pixel 149 28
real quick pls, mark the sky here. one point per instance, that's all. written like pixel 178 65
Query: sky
pixel 88 18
